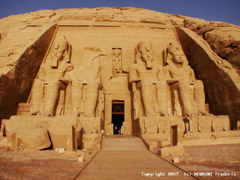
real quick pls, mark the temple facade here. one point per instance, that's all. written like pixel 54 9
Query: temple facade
pixel 105 79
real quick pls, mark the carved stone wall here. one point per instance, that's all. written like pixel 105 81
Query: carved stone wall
pixel 93 58
pixel 222 37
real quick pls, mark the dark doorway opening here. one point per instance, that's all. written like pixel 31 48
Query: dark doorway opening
pixel 117 120
pixel 117 117
pixel 174 135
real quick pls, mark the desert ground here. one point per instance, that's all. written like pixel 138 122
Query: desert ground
pixel 212 158
pixel 49 164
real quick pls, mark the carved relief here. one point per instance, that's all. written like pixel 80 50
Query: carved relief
pixel 76 18
pixel 158 92
pixel 116 61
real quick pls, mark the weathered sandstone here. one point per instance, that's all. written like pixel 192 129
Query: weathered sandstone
pixel 118 71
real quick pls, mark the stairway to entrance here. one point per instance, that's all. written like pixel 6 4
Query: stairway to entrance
pixel 128 159
pixel 123 144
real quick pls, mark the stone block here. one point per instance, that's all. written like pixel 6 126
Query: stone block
pixel 164 125
pixel 29 139
pixel 220 123
pixel 151 124
pixel 193 123
pixel 204 123
pixel 204 135
pixel 65 132
pixel 90 125
pixel 176 160
pixel 154 125
pixel 89 141
pixel 21 130
pixel 61 150
pixel 172 151
pixel 80 159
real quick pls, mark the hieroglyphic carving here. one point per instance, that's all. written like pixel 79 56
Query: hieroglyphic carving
pixel 116 61
pixel 76 18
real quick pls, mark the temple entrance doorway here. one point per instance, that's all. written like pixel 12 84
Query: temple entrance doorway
pixel 117 117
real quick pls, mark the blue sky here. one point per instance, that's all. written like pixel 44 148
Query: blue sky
pixel 212 10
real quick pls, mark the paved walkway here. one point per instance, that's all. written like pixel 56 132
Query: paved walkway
pixel 128 159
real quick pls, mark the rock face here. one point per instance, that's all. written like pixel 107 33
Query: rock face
pixel 222 37
pixel 121 70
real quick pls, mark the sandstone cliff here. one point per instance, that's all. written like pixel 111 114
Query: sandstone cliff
pixel 24 41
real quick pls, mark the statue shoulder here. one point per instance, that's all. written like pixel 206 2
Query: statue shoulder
pixel 188 68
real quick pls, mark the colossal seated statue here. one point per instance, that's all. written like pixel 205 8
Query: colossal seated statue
pixel 145 75
pixel 178 70
pixel 51 79
pixel 87 75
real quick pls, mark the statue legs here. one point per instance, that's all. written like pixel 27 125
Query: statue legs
pixel 51 97
pixel 199 96
pixel 162 97
pixel 185 97
pixel 76 96
pixel 91 98
pixel 37 96
pixel 147 97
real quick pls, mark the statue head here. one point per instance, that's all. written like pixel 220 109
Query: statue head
pixel 145 52
pixel 116 52
pixel 60 48
pixel 177 56
pixel 63 43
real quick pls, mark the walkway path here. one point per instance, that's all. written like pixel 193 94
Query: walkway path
pixel 128 159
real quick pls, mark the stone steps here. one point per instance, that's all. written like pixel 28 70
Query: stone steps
pixel 119 144
pixel 128 158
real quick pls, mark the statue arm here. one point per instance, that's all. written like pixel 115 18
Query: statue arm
pixel 166 73
pixel 133 75
pixel 61 56
pixel 160 73
pixel 69 67
pixel 66 79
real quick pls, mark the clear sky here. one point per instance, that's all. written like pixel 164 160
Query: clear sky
pixel 212 10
